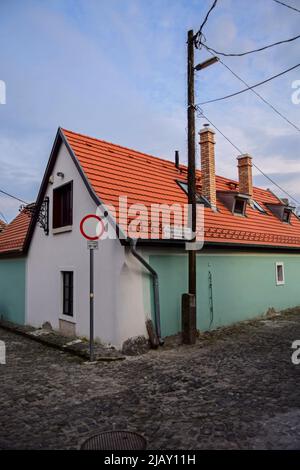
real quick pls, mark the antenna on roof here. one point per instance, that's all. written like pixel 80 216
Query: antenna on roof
pixel 177 159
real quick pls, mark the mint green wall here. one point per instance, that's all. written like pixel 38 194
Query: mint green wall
pixel 243 287
pixel 12 290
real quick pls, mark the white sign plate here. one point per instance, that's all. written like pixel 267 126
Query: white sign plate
pixel 93 244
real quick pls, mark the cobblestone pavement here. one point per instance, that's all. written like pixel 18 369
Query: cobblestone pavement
pixel 234 389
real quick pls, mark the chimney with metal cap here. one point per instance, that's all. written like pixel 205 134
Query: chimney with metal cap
pixel 245 174
pixel 208 168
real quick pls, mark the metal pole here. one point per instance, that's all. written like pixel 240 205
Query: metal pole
pixel 189 319
pixel 91 304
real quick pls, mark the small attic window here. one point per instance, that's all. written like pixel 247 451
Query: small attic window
pixel 286 217
pixel 239 206
pixel 258 207
pixel 199 199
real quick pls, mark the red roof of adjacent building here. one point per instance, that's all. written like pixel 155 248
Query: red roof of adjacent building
pixel 115 171
pixel 2 225
pixel 13 237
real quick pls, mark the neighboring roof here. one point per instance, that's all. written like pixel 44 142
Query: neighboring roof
pixel 13 237
pixel 2 225
pixel 113 171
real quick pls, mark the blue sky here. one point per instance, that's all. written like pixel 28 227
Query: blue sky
pixel 116 69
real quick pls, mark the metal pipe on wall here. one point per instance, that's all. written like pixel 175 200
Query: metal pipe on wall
pixel 155 281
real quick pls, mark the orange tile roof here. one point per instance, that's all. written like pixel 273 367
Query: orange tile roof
pixel 13 237
pixel 114 171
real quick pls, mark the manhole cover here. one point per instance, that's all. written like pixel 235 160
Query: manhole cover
pixel 115 440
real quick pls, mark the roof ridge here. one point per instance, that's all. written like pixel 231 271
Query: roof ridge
pixel 144 154
pixel 148 155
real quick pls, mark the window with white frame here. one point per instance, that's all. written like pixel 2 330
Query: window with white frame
pixel 280 277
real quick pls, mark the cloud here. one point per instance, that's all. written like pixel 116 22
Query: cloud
pixel 117 70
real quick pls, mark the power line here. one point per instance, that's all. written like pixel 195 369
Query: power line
pixel 241 54
pixel 201 114
pixel 286 5
pixel 259 96
pixel 250 87
pixel 263 99
pixel 199 34
pixel 13 197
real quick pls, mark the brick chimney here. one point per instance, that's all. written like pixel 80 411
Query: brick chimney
pixel 208 168
pixel 245 174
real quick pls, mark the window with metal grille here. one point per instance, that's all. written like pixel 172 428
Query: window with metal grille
pixel 63 205
pixel 67 278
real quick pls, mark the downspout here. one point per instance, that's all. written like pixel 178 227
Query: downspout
pixel 155 281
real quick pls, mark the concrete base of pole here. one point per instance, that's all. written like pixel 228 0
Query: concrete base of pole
pixel 188 315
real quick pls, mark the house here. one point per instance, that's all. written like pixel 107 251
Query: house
pixel 13 269
pixel 2 225
pixel 249 263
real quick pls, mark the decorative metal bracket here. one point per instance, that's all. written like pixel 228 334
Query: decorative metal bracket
pixel 43 215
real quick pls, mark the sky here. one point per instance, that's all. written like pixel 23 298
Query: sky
pixel 116 70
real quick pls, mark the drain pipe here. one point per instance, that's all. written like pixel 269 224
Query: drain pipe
pixel 154 275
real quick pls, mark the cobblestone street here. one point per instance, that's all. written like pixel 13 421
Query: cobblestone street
pixel 233 389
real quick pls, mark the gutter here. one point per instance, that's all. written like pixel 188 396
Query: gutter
pixel 155 280
pixel 214 245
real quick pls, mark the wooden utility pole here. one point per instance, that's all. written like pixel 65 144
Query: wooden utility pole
pixel 189 300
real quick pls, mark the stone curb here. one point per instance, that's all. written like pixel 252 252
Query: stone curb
pixel 59 342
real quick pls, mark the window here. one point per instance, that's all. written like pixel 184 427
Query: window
pixel 286 216
pixel 62 206
pixel 239 206
pixel 280 278
pixel 199 199
pixel 67 279
pixel 258 207
pixel 184 186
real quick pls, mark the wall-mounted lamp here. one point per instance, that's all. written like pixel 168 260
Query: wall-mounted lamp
pixel 60 174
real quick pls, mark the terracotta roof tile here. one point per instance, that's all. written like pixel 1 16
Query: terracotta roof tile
pixel 13 237
pixel 115 171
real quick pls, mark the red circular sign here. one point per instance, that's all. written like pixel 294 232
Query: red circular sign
pixel 99 220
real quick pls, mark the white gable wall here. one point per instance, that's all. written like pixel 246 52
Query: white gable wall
pixel 119 298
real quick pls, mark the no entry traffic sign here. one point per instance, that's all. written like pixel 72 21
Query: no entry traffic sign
pixel 92 227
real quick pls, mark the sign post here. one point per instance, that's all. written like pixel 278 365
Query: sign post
pixel 92 245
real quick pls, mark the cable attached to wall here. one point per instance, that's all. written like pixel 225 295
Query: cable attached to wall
pixel 211 298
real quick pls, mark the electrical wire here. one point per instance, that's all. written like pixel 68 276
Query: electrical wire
pixel 250 87
pixel 286 5
pixel 198 36
pixel 202 115
pixel 13 197
pixel 259 95
pixel 241 54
